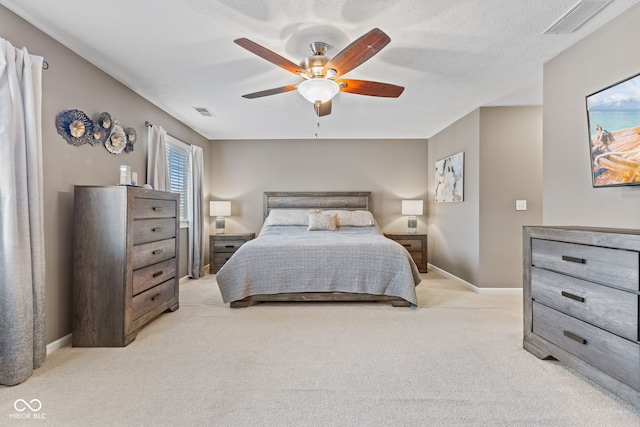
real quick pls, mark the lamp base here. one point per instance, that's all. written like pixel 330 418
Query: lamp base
pixel 412 224
pixel 220 225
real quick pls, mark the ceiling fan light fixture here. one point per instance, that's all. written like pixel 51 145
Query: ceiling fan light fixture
pixel 314 90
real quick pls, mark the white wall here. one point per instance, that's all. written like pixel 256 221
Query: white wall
pixel 607 56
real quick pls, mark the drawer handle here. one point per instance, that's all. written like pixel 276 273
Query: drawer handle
pixel 574 259
pixel 406 245
pixel 158 273
pixel 153 298
pixel 574 337
pixel 572 296
pixel 157 252
pixel 156 229
pixel 157 208
pixel 229 246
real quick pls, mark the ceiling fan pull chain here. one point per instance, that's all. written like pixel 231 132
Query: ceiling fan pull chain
pixel 317 106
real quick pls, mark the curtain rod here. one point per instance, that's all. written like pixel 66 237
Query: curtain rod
pixel 148 124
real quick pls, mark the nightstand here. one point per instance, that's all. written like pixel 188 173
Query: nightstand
pixel 222 246
pixel 416 244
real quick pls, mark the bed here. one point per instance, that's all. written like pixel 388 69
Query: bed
pixel 319 246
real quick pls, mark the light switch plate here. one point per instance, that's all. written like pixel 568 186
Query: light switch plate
pixel 521 205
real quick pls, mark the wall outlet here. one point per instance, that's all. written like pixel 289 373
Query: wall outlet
pixel 521 205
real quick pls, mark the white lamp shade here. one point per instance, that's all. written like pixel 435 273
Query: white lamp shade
pixel 412 207
pixel 322 90
pixel 220 208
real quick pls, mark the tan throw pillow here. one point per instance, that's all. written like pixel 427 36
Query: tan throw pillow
pixel 322 222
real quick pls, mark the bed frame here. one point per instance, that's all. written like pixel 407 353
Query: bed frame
pixel 344 200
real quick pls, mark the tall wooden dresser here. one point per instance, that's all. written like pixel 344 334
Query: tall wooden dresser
pixel 581 292
pixel 125 262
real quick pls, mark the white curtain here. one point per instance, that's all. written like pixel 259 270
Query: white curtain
pixel 157 172
pixel 196 234
pixel 22 266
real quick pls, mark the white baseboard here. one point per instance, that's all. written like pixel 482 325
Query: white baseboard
pixel 58 344
pixel 184 279
pixel 66 340
pixel 473 287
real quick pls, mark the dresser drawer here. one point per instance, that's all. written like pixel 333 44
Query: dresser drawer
pixel 221 258
pixel 417 257
pixel 614 267
pixel 151 298
pixel 611 354
pixel 412 245
pixel 611 309
pixel 152 230
pixel 153 208
pixel 152 253
pixel 227 245
pixel 148 277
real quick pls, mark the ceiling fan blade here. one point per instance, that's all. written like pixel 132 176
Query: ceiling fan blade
pixel 323 109
pixel 357 52
pixel 270 56
pixel 268 92
pixel 365 87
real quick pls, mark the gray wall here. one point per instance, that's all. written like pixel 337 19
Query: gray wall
pixel 603 58
pixel 71 82
pixel 391 169
pixel 454 228
pixel 479 240
pixel 510 169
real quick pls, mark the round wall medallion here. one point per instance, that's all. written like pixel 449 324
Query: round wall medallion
pixel 74 126
pixel 104 120
pixel 116 141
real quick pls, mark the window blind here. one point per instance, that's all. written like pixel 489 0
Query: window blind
pixel 179 167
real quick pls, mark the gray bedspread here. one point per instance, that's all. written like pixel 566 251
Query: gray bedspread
pixel 287 259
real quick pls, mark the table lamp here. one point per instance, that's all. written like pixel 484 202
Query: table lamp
pixel 412 208
pixel 220 209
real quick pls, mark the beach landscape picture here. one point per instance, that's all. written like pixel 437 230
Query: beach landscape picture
pixel 614 133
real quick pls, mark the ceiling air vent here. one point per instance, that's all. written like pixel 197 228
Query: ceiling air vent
pixel 204 111
pixel 576 16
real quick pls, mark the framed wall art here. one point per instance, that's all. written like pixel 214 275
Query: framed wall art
pixel 450 179
pixel 613 116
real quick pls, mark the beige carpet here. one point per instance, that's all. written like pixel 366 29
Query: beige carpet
pixel 455 361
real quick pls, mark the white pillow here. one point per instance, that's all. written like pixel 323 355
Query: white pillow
pixel 353 218
pixel 322 222
pixel 289 216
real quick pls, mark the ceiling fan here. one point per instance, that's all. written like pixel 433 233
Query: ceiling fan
pixel 322 75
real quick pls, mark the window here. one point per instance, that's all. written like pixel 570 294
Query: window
pixel 179 167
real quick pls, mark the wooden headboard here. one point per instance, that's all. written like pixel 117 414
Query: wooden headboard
pixel 347 200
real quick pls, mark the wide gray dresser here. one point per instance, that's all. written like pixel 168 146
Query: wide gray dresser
pixel 125 262
pixel 581 292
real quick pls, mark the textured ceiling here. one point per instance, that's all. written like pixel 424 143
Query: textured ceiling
pixel 451 56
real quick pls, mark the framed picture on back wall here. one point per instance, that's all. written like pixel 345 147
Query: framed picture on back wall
pixel 450 179
pixel 613 116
